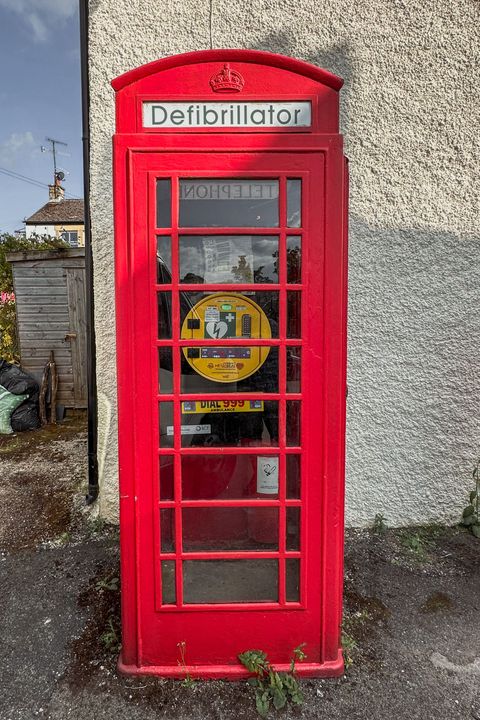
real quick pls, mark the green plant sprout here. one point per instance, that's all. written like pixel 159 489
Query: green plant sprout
pixel 379 525
pixel 188 681
pixel 471 514
pixel 272 687
pixel 110 637
pixel 349 645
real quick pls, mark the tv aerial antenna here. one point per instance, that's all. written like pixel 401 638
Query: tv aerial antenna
pixel 53 149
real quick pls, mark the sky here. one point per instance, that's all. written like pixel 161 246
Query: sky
pixel 40 96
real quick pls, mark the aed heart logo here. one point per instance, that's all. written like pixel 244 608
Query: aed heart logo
pixel 216 329
pixel 268 469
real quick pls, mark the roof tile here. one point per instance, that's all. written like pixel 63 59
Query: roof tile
pixel 63 211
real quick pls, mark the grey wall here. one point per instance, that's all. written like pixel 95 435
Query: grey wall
pixel 410 114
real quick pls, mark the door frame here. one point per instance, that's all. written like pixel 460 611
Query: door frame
pixel 128 226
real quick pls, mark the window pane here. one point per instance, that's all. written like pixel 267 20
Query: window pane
pixel 165 370
pixel 294 203
pixel 228 202
pixel 292 567
pixel 164 203
pixel 293 528
pixel 294 367
pixel 293 422
pixel 164 302
pixel 226 581
pixel 165 422
pixel 293 477
pixel 294 326
pixel 294 259
pixel 228 315
pixel 166 477
pixel 226 363
pixel 229 477
pixel 228 529
pixel 168 582
pixel 228 258
pixel 164 259
pixel 228 423
pixel 167 530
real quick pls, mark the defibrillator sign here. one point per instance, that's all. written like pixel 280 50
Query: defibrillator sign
pixel 226 316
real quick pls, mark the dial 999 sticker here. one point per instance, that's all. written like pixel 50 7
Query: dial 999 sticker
pixel 221 406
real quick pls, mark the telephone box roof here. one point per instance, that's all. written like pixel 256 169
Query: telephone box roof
pixel 252 56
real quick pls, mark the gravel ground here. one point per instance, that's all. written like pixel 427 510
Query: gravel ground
pixel 412 601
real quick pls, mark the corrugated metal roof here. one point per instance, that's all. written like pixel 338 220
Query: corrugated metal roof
pixel 61 211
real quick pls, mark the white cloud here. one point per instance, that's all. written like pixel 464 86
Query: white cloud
pixel 17 144
pixel 39 20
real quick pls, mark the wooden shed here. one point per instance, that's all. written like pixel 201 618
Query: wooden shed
pixel 51 315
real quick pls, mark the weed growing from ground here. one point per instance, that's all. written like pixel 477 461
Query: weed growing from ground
pixel 349 645
pixel 111 584
pixel 379 525
pixel 110 637
pixel 188 681
pixel 471 514
pixel 272 687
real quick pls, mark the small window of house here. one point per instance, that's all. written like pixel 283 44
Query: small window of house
pixel 70 237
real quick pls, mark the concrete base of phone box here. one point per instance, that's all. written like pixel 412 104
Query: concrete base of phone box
pixel 331 668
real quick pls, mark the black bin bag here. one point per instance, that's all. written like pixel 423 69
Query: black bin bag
pixel 18 382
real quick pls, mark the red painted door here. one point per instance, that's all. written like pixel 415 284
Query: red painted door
pixel 227 260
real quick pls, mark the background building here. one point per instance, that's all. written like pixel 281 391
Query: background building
pixel 58 218
pixel 410 115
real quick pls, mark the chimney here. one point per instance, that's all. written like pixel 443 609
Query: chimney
pixel 56 192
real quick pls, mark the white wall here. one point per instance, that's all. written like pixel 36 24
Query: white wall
pixel 410 114
pixel 40 230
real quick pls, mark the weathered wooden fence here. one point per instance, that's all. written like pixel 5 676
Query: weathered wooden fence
pixel 51 315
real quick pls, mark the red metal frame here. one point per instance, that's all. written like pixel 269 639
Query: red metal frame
pixel 216 633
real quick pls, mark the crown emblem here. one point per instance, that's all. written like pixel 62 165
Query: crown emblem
pixel 227 80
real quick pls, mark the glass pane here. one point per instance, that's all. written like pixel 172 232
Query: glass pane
pixel 214 423
pixel 294 327
pixel 165 370
pixel 224 316
pixel 165 422
pixel 293 423
pixel 229 477
pixel 168 582
pixel 228 529
pixel 292 567
pixel 294 203
pixel 164 302
pixel 228 259
pixel 221 363
pixel 294 366
pixel 164 259
pixel 230 581
pixel 166 477
pixel 293 528
pixel 294 259
pixel 164 203
pixel 228 202
pixel 293 477
pixel 167 530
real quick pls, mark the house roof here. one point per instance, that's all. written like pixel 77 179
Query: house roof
pixel 61 211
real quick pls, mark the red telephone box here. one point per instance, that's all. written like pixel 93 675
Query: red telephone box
pixel 231 256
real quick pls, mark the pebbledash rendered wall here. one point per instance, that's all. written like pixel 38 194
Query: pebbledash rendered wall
pixel 410 115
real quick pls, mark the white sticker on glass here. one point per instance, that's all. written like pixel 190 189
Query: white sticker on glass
pixel 267 474
pixel 192 429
